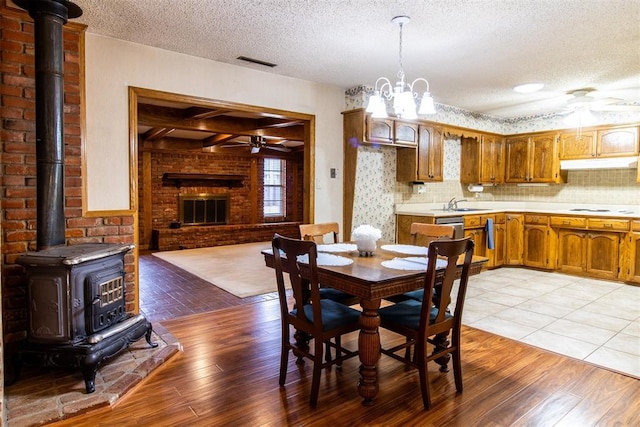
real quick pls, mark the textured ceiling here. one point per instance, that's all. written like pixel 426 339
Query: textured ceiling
pixel 472 52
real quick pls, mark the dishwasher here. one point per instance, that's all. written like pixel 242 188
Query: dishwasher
pixel 456 221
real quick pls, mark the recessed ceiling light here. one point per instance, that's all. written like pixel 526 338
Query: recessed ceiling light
pixel 528 88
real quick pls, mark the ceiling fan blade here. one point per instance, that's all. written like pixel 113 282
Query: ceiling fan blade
pixel 616 107
pixel 277 148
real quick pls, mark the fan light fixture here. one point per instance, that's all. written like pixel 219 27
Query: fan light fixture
pixel 404 98
pixel 580 115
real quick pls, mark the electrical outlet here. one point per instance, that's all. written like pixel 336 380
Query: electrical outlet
pixel 333 172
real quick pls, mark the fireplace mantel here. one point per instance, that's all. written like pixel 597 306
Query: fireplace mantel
pixel 209 178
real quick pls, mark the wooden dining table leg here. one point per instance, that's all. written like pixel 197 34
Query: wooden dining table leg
pixel 369 350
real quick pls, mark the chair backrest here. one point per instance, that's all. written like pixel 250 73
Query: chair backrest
pixel 423 234
pixel 450 251
pixel 293 256
pixel 317 232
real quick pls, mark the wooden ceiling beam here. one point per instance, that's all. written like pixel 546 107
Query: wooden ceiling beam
pixel 157 116
pixel 218 139
pixel 203 113
pixel 154 134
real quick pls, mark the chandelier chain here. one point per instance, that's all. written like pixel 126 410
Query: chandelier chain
pixel 401 72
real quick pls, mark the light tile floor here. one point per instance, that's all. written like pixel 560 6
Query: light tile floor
pixel 596 321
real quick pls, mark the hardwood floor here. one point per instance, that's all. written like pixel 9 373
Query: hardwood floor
pixel 228 375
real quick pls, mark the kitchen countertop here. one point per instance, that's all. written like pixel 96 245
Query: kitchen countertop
pixel 480 208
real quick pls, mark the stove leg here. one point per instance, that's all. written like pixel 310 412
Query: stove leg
pixel 147 336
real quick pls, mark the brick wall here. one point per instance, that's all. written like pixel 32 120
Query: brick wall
pixel 18 166
pixel 241 228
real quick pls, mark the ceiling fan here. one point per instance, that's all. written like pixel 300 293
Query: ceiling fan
pixel 585 100
pixel 257 142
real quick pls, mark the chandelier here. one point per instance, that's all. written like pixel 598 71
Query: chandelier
pixel 402 94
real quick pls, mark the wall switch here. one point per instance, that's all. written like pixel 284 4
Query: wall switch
pixel 334 172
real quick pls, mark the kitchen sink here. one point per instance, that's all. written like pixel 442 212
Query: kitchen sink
pixel 469 209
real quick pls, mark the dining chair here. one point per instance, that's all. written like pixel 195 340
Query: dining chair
pixel 317 233
pixel 426 324
pixel 422 235
pixel 310 316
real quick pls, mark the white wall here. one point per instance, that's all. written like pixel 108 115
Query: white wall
pixel 113 65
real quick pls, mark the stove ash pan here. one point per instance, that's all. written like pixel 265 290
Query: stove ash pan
pixel 74 291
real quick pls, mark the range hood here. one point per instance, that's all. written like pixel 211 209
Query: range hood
pixel 608 163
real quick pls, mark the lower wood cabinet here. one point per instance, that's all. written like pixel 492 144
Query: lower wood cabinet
pixel 539 247
pixel 595 254
pixel 500 241
pixel 605 248
pixel 514 225
pixel 630 268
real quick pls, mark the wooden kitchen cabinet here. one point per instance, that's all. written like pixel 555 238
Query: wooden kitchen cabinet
pixel 595 254
pixel 475 227
pixel 630 270
pixel 533 158
pixel 500 241
pixel 405 133
pixel 403 226
pixel 603 142
pixel 482 160
pixel 423 164
pixel 617 142
pixel 379 130
pixel 572 251
pixel 590 246
pixel 360 128
pixel 539 247
pixel 576 146
pixel 514 248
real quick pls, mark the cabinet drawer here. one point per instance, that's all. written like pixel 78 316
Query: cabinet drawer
pixel 501 219
pixel 635 225
pixel 536 219
pixel 608 224
pixel 567 222
pixel 473 221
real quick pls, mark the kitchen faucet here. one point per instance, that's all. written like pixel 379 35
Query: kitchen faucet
pixel 453 204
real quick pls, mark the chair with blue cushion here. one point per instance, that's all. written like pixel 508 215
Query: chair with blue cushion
pixel 319 233
pixel 422 235
pixel 312 318
pixel 426 324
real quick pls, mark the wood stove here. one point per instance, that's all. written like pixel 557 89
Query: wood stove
pixel 77 314
pixel 76 294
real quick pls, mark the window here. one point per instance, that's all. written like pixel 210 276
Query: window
pixel 274 187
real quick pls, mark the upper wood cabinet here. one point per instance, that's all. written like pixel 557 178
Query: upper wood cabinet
pixel 482 160
pixel 533 158
pixel 405 133
pixel 425 163
pixel 361 128
pixel 378 130
pixel 608 142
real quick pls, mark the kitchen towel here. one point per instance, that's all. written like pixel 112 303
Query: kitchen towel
pixel 489 227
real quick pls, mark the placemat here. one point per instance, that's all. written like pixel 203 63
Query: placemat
pixel 406 249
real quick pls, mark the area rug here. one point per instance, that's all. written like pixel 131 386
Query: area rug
pixel 238 269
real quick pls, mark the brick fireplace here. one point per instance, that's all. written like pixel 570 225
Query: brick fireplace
pixel 183 180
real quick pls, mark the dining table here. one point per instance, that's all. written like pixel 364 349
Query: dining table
pixel 390 270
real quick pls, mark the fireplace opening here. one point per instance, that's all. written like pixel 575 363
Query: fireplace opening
pixel 204 209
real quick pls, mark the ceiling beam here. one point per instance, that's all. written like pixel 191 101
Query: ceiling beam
pixel 218 139
pixel 157 116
